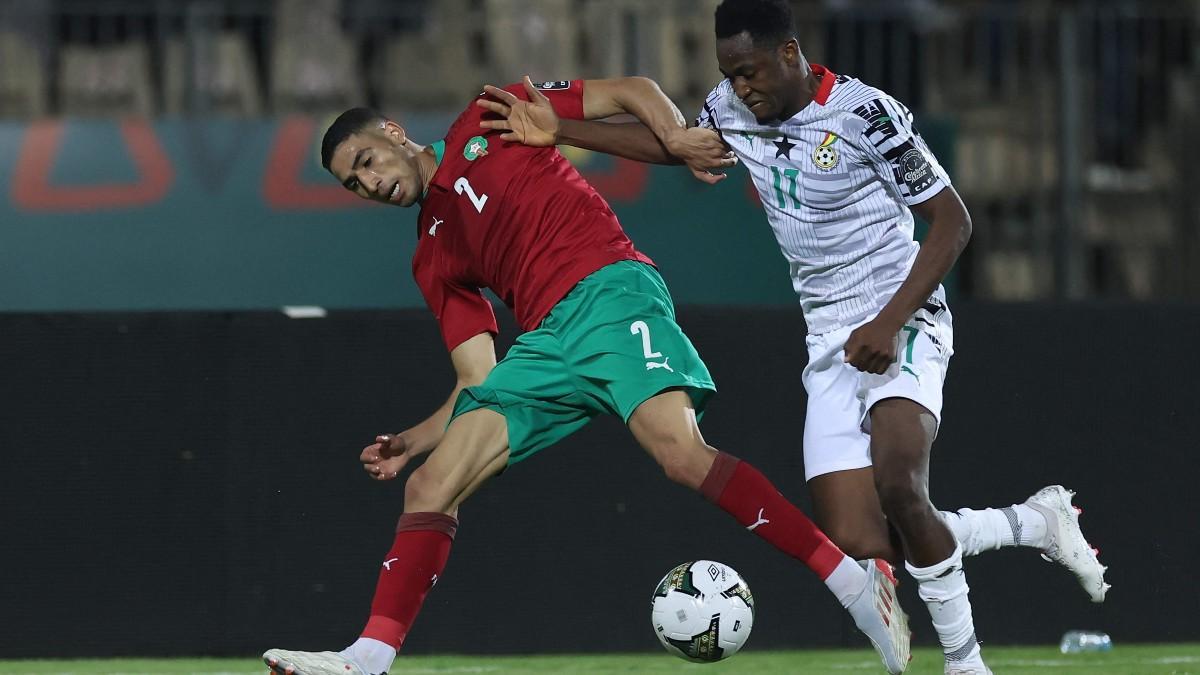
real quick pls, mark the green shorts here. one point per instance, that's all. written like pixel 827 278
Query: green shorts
pixel 606 347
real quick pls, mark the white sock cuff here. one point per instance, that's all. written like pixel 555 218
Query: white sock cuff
pixel 936 569
pixel 847 580
pixel 373 655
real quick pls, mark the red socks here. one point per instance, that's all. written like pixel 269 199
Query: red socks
pixel 744 493
pixel 423 542
pixel 410 569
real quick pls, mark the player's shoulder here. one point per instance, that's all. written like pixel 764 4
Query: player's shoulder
pixel 856 97
pixel 721 91
pixel 467 120
pixel 466 142
pixel 871 107
pixel 724 107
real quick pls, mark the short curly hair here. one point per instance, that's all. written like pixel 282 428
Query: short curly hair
pixel 769 22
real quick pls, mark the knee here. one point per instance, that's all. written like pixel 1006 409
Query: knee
pixel 902 497
pixel 425 492
pixel 860 543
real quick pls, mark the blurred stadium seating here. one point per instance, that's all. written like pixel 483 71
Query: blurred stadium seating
pixel 1070 121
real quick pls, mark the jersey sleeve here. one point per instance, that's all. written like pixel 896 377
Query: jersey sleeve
pixel 899 153
pixel 565 95
pixel 462 313
pixel 707 117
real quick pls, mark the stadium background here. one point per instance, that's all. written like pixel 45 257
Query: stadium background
pixel 179 453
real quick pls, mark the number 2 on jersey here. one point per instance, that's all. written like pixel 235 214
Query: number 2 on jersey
pixel 641 327
pixel 461 185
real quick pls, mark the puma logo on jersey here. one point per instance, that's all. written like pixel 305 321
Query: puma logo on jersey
pixel 650 365
pixel 387 564
pixel 433 228
pixel 760 521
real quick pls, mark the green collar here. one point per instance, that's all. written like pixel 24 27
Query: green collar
pixel 439 149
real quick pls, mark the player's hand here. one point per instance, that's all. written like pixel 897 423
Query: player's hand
pixel 704 152
pixel 531 122
pixel 871 347
pixel 386 457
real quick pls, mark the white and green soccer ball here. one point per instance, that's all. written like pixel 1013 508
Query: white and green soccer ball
pixel 702 611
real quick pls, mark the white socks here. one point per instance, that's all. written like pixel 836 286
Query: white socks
pixel 944 589
pixel 978 531
pixel 847 580
pixel 374 656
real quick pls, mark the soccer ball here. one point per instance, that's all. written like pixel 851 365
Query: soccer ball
pixel 702 611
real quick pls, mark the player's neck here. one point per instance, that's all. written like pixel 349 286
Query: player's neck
pixel 426 165
pixel 808 91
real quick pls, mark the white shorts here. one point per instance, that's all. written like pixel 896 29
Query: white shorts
pixel 837 426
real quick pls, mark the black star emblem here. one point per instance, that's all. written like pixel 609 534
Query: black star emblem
pixel 785 147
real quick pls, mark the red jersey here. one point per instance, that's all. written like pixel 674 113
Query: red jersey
pixel 520 221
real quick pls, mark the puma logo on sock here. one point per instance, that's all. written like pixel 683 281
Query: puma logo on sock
pixel 760 521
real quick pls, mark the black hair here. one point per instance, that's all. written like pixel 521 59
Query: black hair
pixel 346 125
pixel 769 22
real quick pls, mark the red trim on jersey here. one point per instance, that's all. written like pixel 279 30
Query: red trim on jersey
pixel 827 80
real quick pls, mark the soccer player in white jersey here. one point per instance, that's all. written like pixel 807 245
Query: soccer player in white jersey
pixel 839 167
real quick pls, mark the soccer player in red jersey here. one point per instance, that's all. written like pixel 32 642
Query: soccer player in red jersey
pixel 600 337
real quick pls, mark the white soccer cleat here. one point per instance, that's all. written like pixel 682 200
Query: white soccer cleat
pixel 285 662
pixel 1064 540
pixel 877 613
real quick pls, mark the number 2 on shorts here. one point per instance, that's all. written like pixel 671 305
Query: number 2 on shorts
pixel 641 327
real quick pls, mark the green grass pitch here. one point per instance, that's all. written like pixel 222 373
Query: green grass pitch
pixel 1171 659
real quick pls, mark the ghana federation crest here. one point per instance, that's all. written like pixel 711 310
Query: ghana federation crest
pixel 825 156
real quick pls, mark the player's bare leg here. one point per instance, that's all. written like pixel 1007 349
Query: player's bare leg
pixel 474 449
pixel 847 509
pixel 902 433
pixel 665 425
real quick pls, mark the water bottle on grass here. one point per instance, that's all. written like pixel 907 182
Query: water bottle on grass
pixel 1082 641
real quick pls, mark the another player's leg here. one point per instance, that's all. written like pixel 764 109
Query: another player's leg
pixel 902 433
pixel 665 425
pixel 846 507
pixel 837 455
pixel 474 449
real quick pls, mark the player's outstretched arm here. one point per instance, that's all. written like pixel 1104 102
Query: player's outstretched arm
pixel 702 150
pixel 662 137
pixel 535 123
pixel 387 456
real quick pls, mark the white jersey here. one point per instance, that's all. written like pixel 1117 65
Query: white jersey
pixel 836 181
